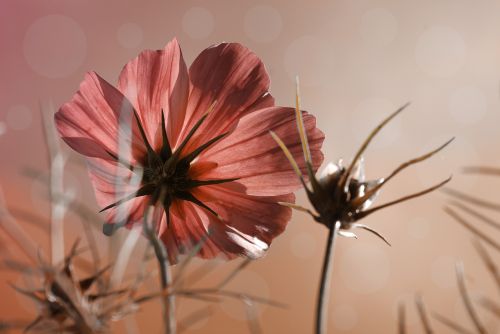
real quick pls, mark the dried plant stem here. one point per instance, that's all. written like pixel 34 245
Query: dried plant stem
pixel 490 305
pixel 451 324
pixel 495 171
pixel 491 241
pixel 326 274
pixel 165 281
pixel 472 199
pixel 401 318
pixel 488 262
pixel 423 314
pixel 466 299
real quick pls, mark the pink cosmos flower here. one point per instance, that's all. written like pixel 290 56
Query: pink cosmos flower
pixel 200 138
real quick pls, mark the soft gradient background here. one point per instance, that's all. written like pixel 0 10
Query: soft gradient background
pixel 358 60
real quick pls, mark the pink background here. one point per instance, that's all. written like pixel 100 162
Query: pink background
pixel 358 60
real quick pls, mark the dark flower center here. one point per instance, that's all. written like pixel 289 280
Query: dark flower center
pixel 165 174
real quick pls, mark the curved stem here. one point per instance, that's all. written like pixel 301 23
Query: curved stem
pixel 324 287
pixel 168 299
pixel 165 279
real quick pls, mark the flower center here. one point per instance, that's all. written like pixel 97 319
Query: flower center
pixel 166 174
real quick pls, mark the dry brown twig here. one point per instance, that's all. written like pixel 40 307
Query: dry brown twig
pixel 422 313
pixel 467 301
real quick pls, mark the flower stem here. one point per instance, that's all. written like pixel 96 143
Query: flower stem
pixel 165 280
pixel 324 287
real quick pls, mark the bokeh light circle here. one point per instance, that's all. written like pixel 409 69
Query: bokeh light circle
pixel 55 46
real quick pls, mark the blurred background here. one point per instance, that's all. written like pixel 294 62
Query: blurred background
pixel 358 60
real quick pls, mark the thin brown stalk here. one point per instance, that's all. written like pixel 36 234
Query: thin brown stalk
pixel 233 273
pixel 422 313
pixel 193 318
pixel 400 168
pixel 325 282
pixel 361 150
pixel 401 318
pixel 403 199
pixel 488 261
pixel 467 301
pixel 490 305
pixel 492 242
pixel 477 215
pixel 235 294
pixel 196 275
pixel 165 276
pixel 184 264
pixel 494 171
pixel 472 199
pixel 451 324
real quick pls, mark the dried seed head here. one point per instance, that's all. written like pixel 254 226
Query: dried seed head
pixel 71 305
pixel 341 194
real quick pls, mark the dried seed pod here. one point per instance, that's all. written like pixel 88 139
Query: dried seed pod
pixel 73 305
pixel 341 193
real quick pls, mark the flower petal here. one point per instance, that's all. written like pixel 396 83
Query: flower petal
pixel 111 183
pixel 233 77
pixel 248 227
pixel 250 153
pixel 96 117
pixel 156 81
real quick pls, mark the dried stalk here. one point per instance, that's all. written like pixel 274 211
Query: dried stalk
pixel 467 302
pixel 424 318
pixel 325 283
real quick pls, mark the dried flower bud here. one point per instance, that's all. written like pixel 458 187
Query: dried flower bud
pixel 341 194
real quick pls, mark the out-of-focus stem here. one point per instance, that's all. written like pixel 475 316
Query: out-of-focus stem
pixel 165 281
pixel 324 286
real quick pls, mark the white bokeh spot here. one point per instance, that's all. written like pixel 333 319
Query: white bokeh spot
pixel 440 51
pixel 378 27
pixel 130 35
pixel 19 117
pixel 198 22
pixel 468 104
pixel 55 46
pixel 263 23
